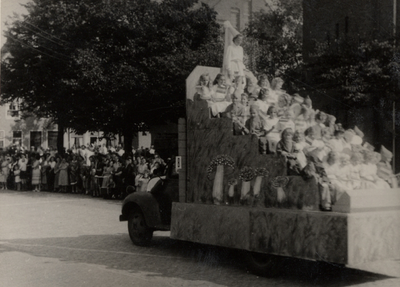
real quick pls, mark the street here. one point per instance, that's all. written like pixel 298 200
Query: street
pixel 50 239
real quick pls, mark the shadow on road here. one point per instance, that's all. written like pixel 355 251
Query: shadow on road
pixel 189 261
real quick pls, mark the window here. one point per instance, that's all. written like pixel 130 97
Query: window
pixel 13 110
pixel 17 137
pixel 78 141
pixel 248 10
pixel 1 135
pixel 52 139
pixel 235 18
pixel 36 139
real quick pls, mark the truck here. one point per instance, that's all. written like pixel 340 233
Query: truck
pixel 228 194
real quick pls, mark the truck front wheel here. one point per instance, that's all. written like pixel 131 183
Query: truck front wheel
pixel 264 264
pixel 139 232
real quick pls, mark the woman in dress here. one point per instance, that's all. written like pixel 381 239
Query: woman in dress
pixel 36 173
pixel 234 59
pixel 44 170
pixel 73 173
pixel 51 173
pixel 4 171
pixel 63 181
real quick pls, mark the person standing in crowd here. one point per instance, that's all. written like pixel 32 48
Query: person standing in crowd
pixel 35 173
pixel 129 176
pixel 51 173
pixel 4 171
pixel 17 178
pixel 63 175
pixel 73 173
pixel 57 174
pixel 23 165
pixel 44 170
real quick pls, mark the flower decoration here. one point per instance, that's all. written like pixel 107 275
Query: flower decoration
pixel 262 171
pixel 280 181
pixel 232 182
pixel 224 160
pixel 247 173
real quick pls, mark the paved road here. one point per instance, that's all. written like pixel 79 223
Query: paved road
pixel 53 240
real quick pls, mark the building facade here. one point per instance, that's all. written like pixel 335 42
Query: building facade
pixel 238 12
pixel 330 20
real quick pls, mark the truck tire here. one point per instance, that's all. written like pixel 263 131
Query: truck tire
pixel 266 265
pixel 139 232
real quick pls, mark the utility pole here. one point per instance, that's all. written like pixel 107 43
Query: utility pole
pixel 395 88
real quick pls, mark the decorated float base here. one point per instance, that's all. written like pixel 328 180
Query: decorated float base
pixel 343 238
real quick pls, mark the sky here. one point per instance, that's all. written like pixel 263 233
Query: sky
pixel 8 8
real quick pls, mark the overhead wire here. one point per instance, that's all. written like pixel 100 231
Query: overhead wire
pixel 33 48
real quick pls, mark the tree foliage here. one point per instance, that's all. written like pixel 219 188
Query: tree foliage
pixel 275 41
pixel 91 65
pixel 356 71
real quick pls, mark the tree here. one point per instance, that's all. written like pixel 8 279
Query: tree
pixel 275 42
pixel 109 67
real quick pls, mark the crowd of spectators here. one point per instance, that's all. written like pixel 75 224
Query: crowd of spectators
pixel 96 170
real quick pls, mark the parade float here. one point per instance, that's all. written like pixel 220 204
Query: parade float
pixel 236 191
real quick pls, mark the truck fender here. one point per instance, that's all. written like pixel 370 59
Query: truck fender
pixel 147 204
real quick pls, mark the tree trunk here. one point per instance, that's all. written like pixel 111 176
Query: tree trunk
pixel 128 139
pixel 60 137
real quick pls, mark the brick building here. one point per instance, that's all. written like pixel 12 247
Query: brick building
pixel 329 20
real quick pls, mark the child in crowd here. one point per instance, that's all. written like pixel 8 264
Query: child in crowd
pixel 17 178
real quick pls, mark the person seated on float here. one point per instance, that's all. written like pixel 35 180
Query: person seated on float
pixel 315 168
pixel 220 95
pixel 337 142
pixel 299 140
pixel 356 160
pixel 287 120
pixel 320 118
pixel 385 168
pixel 276 87
pixel 287 148
pixel 262 83
pixel 343 175
pixel 236 111
pixel 368 173
pixel 272 128
pixel 244 100
pixel 204 87
pixel 315 146
pixel 262 103
pixel 332 169
pixel 255 125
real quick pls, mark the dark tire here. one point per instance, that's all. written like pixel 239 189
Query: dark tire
pixel 139 232
pixel 266 265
